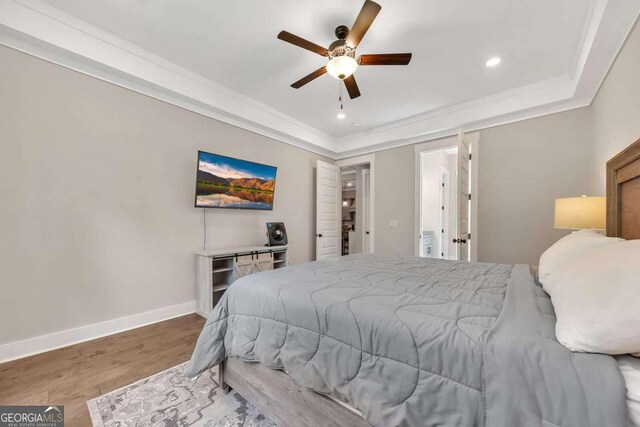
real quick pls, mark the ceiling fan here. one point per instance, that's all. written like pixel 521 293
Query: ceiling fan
pixel 342 52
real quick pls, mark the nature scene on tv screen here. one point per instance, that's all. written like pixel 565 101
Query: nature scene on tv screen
pixel 225 182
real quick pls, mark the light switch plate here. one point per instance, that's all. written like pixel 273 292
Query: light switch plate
pixel 393 223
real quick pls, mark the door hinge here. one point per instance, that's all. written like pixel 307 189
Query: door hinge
pixel 469 156
pixel 469 236
pixel 469 196
pixel 443 208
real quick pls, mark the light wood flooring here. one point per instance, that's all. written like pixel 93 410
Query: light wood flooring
pixel 72 375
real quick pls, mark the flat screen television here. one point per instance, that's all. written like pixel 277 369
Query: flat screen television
pixel 229 183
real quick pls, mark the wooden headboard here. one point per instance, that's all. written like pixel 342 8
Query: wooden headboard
pixel 623 193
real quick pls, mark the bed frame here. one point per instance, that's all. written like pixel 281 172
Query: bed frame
pixel 275 394
pixel 623 193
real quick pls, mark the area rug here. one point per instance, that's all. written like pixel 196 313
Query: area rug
pixel 169 399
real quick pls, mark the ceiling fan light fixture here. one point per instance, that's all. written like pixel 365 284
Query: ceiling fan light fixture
pixel 341 115
pixel 342 67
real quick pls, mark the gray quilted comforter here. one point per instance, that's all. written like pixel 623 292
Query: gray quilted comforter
pixel 416 342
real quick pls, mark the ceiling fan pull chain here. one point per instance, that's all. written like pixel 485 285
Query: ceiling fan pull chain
pixel 341 114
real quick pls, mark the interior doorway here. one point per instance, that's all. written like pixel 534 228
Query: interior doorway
pixel 356 209
pixel 357 203
pixel 437 203
pixel 345 201
pixel 350 192
pixel 446 198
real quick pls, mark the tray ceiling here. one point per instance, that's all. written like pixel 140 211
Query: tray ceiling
pixel 554 55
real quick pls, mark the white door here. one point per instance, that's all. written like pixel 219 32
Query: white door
pixel 462 240
pixel 366 180
pixel 328 210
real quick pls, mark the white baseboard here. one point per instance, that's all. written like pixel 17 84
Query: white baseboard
pixel 41 344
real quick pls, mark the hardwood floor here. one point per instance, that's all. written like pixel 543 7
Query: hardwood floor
pixel 72 375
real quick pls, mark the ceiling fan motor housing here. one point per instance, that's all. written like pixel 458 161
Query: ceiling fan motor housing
pixel 339 48
pixel 342 31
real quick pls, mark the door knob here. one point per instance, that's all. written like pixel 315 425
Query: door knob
pixel 456 240
pixel 463 241
pixel 319 235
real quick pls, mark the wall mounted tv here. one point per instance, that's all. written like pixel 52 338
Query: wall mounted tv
pixel 229 183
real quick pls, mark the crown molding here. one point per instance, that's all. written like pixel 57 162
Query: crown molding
pixel 603 37
pixel 447 121
pixel 38 29
pixel 511 117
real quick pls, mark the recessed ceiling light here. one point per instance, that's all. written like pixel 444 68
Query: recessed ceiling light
pixel 493 62
pixel 341 116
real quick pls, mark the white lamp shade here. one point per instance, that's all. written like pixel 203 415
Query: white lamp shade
pixel 342 67
pixel 577 213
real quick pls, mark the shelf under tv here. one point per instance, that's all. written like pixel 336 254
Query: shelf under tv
pixel 221 287
pixel 217 269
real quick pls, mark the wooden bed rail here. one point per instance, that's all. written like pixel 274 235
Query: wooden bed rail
pixel 275 394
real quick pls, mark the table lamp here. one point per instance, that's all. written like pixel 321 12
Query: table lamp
pixel 576 213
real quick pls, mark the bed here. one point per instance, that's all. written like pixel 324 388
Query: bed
pixel 385 341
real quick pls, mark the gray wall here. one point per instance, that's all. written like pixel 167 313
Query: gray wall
pixel 523 168
pixel 615 112
pixel 395 200
pixel 97 182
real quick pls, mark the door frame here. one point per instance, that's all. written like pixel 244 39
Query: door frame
pixel 366 209
pixel 436 145
pixel 445 201
pixel 369 159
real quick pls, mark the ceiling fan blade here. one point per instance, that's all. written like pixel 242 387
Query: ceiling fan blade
pixel 352 87
pixel 385 59
pixel 300 42
pixel 309 77
pixel 364 20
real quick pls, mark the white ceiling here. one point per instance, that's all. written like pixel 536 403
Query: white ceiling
pixel 234 43
pixel 231 46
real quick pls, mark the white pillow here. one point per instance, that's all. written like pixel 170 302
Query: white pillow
pixel 565 250
pixel 597 300
pixel 630 369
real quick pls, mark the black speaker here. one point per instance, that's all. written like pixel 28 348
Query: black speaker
pixel 276 233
